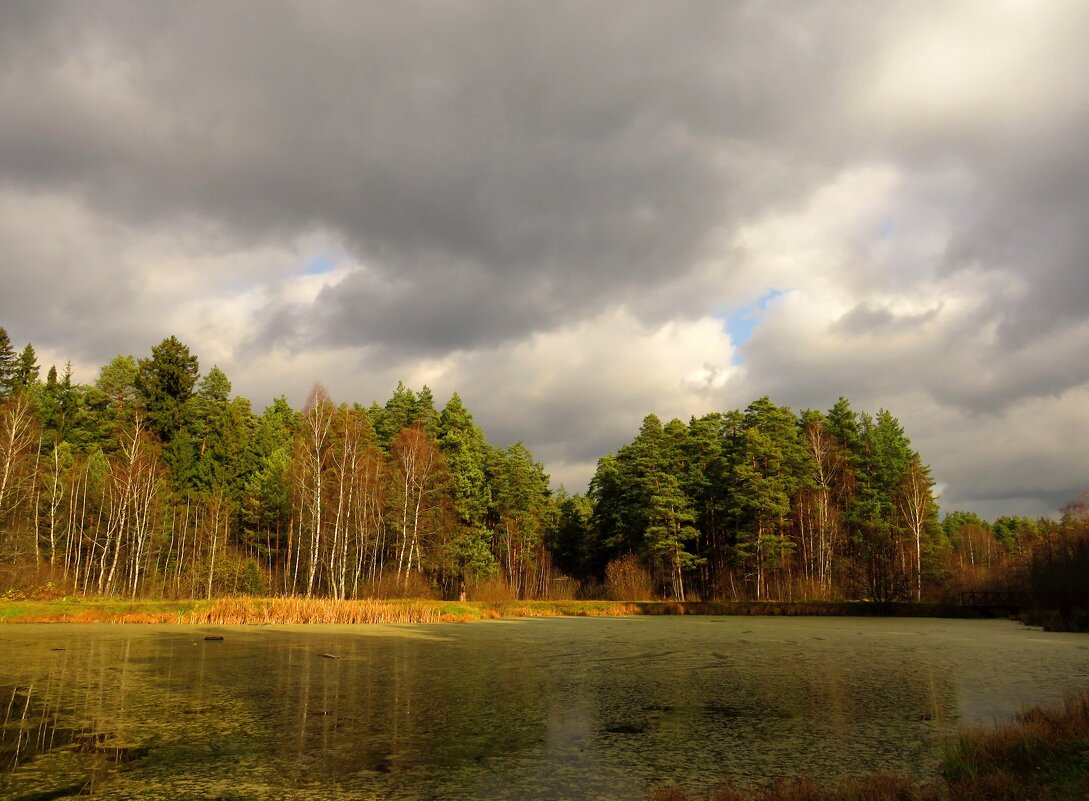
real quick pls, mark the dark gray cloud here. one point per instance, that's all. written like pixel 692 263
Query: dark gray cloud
pixel 864 319
pixel 552 154
pixel 495 180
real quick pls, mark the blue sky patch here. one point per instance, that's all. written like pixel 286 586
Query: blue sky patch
pixel 741 323
pixel 319 265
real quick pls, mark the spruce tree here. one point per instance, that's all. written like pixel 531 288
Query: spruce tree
pixel 465 452
pixel 425 412
pixel 165 384
pixel 398 414
pixel 117 379
pixel 26 369
pixel 7 364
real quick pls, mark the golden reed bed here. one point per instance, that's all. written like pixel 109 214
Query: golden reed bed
pixel 245 610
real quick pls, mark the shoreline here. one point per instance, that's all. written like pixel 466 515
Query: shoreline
pixel 245 610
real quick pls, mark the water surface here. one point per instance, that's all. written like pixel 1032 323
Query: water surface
pixel 514 709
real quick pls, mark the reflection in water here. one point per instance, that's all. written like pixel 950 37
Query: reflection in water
pixel 511 709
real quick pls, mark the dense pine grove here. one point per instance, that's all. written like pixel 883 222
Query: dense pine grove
pixel 156 481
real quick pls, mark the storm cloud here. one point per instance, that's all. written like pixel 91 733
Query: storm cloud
pixel 564 211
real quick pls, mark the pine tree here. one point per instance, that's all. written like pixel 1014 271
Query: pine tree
pixel 425 412
pixel 670 527
pixel 572 540
pixel 884 457
pixel 398 414
pixel 65 417
pixel 7 364
pixel 767 474
pixel 266 506
pixel 703 483
pixel 214 387
pixel 26 369
pixel 465 452
pixel 117 380
pixel 608 534
pixel 165 384
pixel 276 427
pixel 649 514
pixel 520 508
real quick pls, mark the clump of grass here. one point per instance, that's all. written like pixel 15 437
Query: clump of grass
pixel 605 610
pixel 260 611
pixel 492 591
pixel 1043 755
pixel 80 610
pixel 627 580
pixel 1041 741
pixel 878 787
pixel 251 609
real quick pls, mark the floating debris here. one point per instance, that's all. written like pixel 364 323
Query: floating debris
pixel 330 656
pixel 625 728
pixel 214 637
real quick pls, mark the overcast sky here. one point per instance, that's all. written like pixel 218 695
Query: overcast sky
pixel 575 213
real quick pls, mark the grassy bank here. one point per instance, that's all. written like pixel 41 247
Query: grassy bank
pixel 1076 620
pixel 96 610
pixel 260 611
pixel 1041 756
pixel 264 611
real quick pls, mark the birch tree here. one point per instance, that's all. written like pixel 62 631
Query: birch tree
pixel 18 451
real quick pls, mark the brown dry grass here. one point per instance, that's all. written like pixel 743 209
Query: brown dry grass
pixel 1043 755
pixel 612 610
pixel 494 590
pixel 1038 738
pixel 879 787
pixel 102 616
pixel 249 610
pixel 262 611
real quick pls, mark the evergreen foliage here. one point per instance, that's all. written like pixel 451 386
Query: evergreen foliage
pixel 7 364
pixel 765 503
pixel 164 384
pixel 155 480
pixel 25 374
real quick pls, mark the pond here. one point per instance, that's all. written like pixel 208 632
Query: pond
pixel 513 709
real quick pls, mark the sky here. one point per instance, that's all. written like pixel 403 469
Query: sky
pixel 574 213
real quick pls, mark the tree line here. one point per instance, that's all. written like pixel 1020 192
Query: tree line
pixel 154 480
pixel 763 503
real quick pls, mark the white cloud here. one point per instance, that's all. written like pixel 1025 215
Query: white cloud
pixel 983 66
pixel 553 237
pixel 576 392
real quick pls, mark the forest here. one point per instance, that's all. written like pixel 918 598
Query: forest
pixel 156 481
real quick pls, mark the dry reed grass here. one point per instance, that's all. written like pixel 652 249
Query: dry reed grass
pixel 271 610
pixel 612 610
pixel 494 590
pixel 627 580
pixel 1035 738
pixel 1043 754
pixel 100 616
pixel 264 611
pixel 878 787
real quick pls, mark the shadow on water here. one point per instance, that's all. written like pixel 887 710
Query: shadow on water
pixel 32 728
